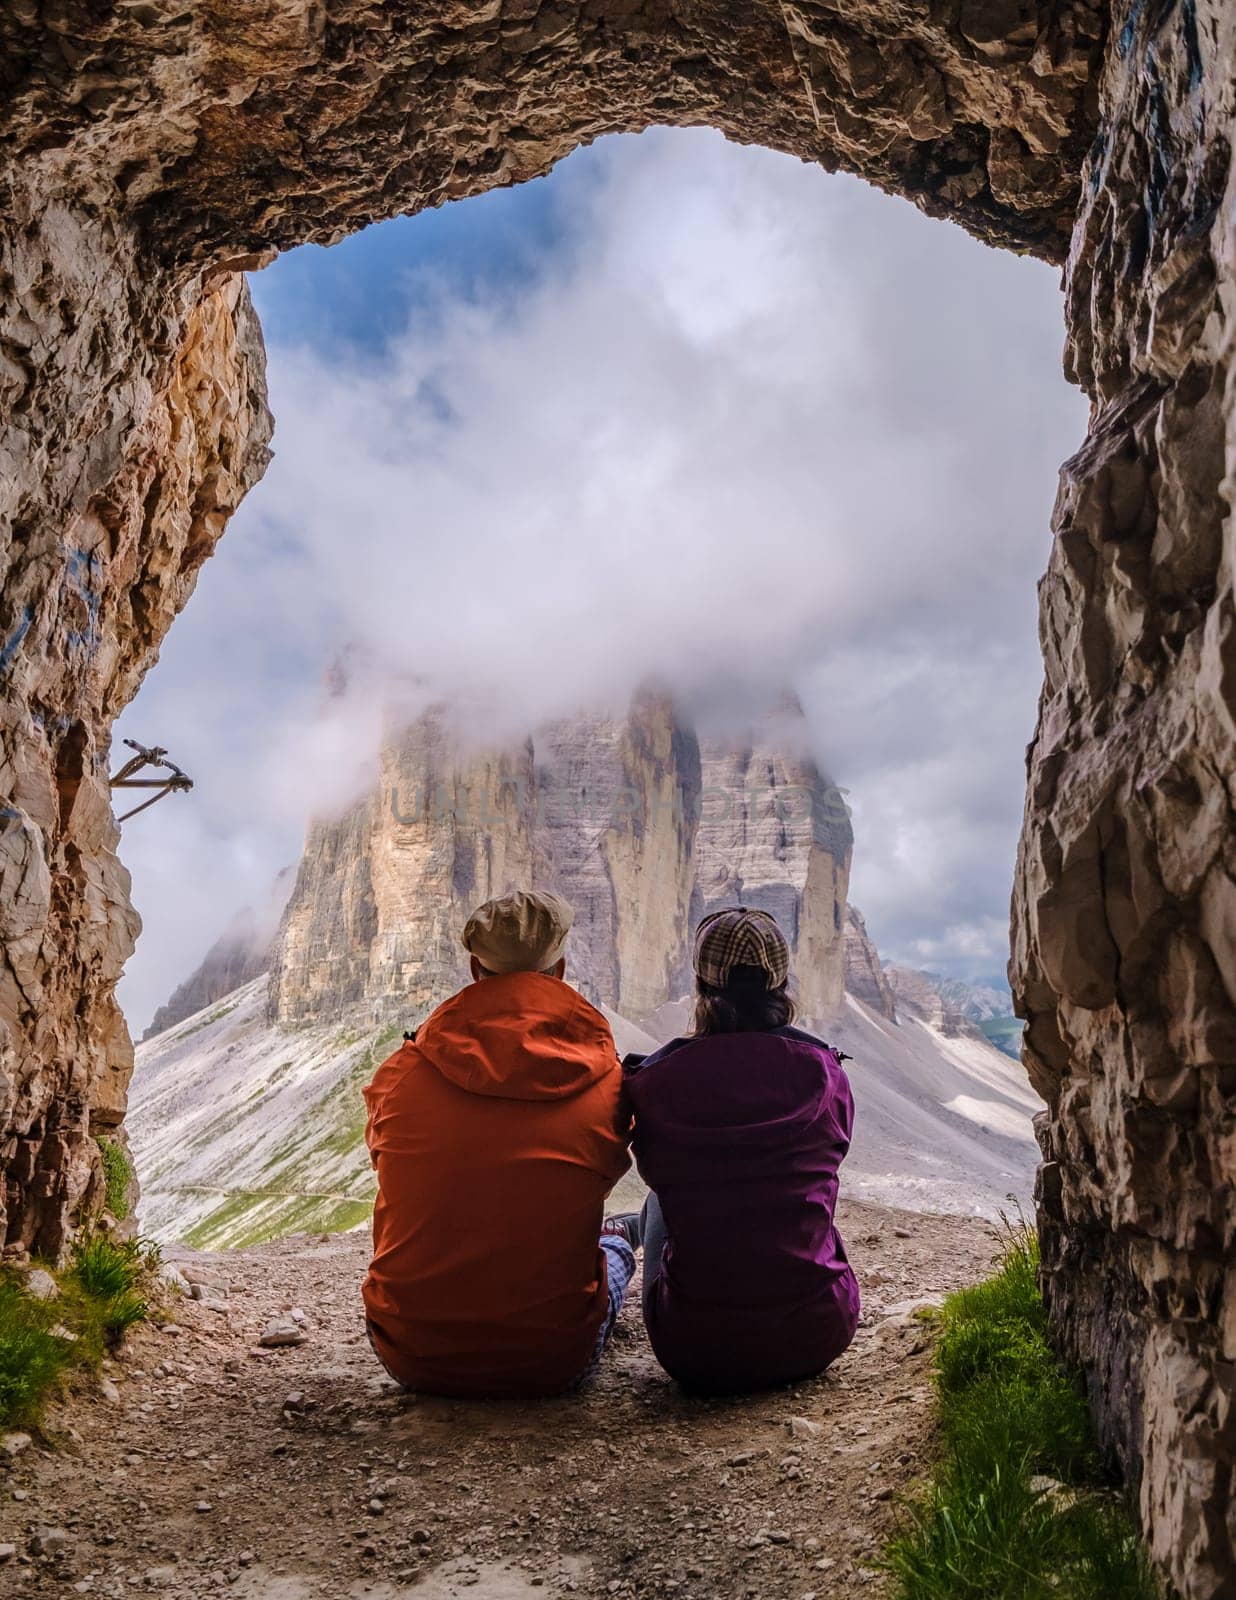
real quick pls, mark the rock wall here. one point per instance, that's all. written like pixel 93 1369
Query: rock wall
pixel 105 525
pixel 1124 959
pixel 605 811
pixel 245 124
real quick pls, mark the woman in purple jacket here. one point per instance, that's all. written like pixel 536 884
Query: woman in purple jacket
pixel 740 1129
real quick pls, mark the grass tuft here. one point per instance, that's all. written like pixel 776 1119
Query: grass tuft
pixel 986 1527
pixel 32 1358
pixel 113 1277
pixel 106 1267
pixel 104 1290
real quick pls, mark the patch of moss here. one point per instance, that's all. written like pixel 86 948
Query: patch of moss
pixel 117 1176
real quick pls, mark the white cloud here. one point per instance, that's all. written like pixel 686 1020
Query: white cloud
pixel 749 421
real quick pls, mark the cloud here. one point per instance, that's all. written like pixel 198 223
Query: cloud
pixel 740 422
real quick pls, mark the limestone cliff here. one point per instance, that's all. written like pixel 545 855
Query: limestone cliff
pixel 773 834
pixel 625 817
pixel 920 994
pixel 865 977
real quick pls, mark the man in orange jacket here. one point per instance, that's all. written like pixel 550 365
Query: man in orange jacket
pixel 497 1134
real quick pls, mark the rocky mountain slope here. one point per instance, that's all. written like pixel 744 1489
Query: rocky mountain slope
pixel 959 1009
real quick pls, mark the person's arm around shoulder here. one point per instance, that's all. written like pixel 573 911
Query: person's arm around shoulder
pixel 626 1107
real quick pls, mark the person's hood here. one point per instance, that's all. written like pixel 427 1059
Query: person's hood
pixel 519 1036
pixel 735 1088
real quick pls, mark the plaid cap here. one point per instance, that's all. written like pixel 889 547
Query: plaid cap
pixel 740 937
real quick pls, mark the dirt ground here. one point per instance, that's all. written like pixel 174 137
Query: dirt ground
pixel 210 1466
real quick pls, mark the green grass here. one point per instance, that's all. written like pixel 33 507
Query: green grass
pixel 113 1278
pixel 1009 1414
pixel 117 1175
pixel 324 1152
pixel 32 1358
pixel 258 1216
pixel 103 1291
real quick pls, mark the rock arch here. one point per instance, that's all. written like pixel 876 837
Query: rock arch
pixel 150 151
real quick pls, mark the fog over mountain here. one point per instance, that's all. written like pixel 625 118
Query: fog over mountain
pixel 681 409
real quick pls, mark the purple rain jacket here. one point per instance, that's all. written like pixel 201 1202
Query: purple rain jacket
pixel 741 1136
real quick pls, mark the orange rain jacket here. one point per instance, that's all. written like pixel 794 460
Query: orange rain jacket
pixel 497 1135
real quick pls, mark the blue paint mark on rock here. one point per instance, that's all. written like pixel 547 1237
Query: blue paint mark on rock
pixel 82 577
pixel 10 647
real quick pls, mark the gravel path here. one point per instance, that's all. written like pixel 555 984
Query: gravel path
pixel 210 1466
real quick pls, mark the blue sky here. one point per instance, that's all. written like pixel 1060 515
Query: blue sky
pixel 681 408
pixel 360 293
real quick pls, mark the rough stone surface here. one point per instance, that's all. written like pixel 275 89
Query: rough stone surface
pixel 147 152
pixel 1124 957
pixel 640 829
pixel 281 1333
pixel 865 977
pixel 41 1285
pixel 112 494
pixel 248 124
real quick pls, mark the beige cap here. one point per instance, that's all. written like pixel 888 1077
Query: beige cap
pixel 521 932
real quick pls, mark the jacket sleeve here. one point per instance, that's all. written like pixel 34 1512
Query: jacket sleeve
pixel 375 1094
pixel 843 1103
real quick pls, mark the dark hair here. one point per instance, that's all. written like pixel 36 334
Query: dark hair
pixel 744 1005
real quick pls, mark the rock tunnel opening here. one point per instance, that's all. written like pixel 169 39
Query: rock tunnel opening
pixel 150 154
pixel 726 281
